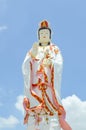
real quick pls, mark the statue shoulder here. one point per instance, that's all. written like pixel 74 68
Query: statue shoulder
pixel 57 53
pixel 55 48
pixel 35 44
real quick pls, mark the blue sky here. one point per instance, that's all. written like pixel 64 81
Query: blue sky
pixel 19 21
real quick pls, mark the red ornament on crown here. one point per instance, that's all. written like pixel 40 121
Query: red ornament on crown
pixel 44 24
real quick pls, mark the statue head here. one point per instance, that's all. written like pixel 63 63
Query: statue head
pixel 44 32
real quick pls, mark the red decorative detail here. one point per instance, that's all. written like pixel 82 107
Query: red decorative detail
pixel 26 104
pixel 44 24
pixel 26 118
pixel 38 120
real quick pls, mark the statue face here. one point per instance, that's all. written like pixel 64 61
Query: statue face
pixel 44 35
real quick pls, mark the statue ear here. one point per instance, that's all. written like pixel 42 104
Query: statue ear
pixel 38 35
pixel 50 35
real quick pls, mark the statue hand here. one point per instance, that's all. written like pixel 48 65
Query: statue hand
pixel 47 62
pixel 34 50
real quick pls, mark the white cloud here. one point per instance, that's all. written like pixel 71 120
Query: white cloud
pixel 3 28
pixel 9 122
pixel 76 112
pixel 19 103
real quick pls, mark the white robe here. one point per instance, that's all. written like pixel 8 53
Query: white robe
pixel 57 60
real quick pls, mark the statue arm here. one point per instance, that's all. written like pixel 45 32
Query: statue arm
pixel 58 68
pixel 26 74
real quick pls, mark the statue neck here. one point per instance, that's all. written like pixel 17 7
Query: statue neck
pixel 44 44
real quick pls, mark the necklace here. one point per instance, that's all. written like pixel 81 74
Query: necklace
pixel 41 44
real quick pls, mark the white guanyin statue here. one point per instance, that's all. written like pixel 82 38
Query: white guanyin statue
pixel 42 71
